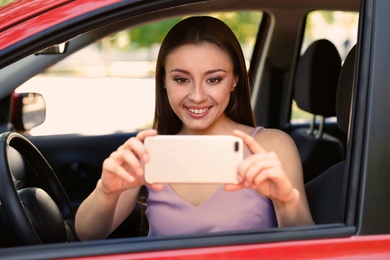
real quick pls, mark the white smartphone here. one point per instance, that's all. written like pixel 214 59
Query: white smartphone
pixel 193 158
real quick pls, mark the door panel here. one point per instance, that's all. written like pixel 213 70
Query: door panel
pixel 77 160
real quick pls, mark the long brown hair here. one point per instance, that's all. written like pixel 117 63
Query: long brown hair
pixel 198 30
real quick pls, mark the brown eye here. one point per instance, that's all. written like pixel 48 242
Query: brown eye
pixel 214 81
pixel 181 80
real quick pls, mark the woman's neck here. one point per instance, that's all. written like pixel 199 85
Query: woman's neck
pixel 224 126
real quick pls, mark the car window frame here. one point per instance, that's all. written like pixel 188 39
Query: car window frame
pixel 229 238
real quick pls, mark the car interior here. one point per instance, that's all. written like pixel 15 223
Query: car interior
pixel 315 90
pixel 327 192
pixel 319 80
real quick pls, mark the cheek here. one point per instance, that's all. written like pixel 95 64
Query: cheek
pixel 221 95
pixel 175 96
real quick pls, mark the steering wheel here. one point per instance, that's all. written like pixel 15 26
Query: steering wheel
pixel 35 210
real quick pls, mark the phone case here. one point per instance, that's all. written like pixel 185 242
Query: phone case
pixel 193 158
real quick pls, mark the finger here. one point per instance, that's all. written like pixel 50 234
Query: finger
pixel 256 170
pixel 140 136
pixel 267 174
pixel 132 163
pixel 145 133
pixel 156 186
pixel 234 187
pixel 111 166
pixel 128 161
pixel 248 162
pixel 137 147
pixel 249 141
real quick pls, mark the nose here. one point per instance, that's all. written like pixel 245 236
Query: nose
pixel 197 93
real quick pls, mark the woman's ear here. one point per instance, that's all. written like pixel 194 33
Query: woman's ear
pixel 234 84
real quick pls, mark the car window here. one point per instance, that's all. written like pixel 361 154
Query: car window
pixel 108 86
pixel 336 26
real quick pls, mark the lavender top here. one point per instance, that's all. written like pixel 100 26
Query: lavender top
pixel 169 214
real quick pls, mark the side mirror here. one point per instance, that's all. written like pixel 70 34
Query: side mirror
pixel 28 111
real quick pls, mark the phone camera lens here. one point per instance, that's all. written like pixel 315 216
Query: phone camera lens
pixel 236 146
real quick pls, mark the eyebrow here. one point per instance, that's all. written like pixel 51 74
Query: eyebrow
pixel 207 72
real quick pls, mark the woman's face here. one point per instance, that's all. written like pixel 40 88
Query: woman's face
pixel 199 80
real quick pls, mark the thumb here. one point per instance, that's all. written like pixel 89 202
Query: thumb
pixel 156 186
pixel 234 187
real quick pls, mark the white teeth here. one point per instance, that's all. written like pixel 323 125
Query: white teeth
pixel 198 111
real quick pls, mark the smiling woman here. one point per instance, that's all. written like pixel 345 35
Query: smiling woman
pixel 208 72
pixel 202 88
pixel 167 120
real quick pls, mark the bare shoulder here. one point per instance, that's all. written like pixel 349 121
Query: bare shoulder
pixel 279 142
pixel 274 139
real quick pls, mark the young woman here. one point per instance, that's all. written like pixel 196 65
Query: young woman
pixel 202 88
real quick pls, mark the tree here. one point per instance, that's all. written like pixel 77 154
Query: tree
pixel 4 2
pixel 243 24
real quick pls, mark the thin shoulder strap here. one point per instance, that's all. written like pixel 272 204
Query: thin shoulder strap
pixel 253 135
pixel 256 130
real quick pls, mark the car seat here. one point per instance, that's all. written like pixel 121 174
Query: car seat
pixel 326 193
pixel 315 90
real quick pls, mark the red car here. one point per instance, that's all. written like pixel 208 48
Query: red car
pixel 76 81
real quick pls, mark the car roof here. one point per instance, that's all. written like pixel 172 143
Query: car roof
pixel 19 11
pixel 23 19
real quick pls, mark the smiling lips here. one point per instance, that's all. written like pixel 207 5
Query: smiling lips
pixel 198 111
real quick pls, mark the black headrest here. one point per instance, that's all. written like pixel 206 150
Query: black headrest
pixel 344 90
pixel 316 79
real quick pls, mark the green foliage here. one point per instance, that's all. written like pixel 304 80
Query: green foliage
pixel 243 24
pixel 4 2
pixel 147 35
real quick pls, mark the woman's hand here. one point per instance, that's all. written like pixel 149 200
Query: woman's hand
pixel 276 175
pixel 263 172
pixel 124 168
